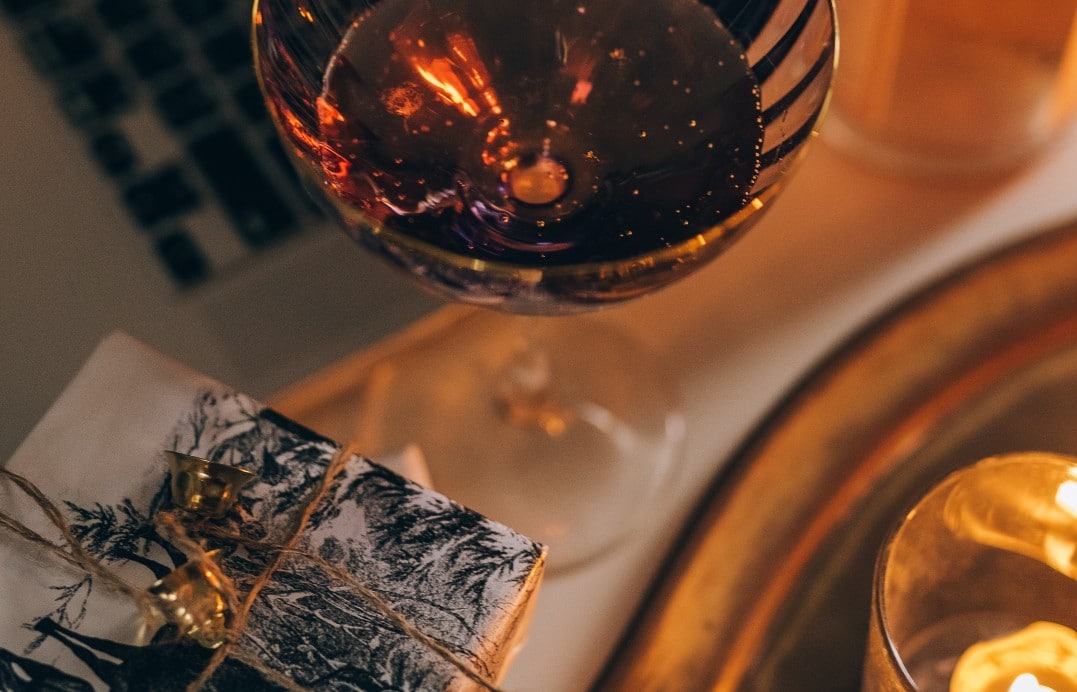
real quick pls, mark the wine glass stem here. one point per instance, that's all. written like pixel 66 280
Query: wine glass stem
pixel 524 392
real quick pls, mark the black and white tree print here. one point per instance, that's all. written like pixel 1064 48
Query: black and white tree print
pixel 451 573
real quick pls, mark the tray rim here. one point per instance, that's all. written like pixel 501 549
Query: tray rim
pixel 1020 303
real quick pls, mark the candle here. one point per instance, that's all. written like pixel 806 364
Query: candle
pixel 1039 658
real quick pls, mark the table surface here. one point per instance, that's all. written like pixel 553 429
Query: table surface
pixel 839 247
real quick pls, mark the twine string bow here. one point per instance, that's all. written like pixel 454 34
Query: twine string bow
pixel 188 536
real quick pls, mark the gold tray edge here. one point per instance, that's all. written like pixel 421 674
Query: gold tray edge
pixel 841 428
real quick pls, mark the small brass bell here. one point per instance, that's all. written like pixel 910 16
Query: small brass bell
pixel 205 487
pixel 195 598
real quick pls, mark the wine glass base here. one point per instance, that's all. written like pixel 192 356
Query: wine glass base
pixel 571 455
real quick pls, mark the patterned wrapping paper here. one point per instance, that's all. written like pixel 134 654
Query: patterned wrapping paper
pixel 454 576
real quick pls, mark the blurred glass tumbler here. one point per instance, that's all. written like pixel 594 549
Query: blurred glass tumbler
pixel 976 589
pixel 957 88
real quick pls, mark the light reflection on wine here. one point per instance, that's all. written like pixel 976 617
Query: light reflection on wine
pixel 451 135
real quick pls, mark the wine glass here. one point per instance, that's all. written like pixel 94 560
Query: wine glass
pixel 542 158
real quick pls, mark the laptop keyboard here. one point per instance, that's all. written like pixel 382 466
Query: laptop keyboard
pixel 165 95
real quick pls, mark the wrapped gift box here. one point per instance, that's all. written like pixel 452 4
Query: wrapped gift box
pixel 451 589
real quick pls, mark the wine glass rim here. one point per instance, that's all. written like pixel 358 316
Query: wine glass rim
pixel 724 231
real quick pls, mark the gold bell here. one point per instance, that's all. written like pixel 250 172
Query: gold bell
pixel 195 598
pixel 205 487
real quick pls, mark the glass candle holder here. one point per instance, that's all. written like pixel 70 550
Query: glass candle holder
pixel 953 89
pixel 975 589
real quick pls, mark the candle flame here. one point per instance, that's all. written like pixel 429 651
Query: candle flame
pixel 1066 497
pixel 1027 682
pixel 1006 664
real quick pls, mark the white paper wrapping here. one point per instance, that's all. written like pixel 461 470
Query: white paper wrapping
pixel 460 579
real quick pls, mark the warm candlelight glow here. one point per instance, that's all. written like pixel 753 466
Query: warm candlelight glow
pixel 1066 497
pixel 976 588
pixel 1027 682
pixel 1015 511
pixel 1039 658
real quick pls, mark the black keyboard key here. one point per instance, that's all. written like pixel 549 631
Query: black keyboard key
pixel 229 50
pixel 60 44
pixel 120 14
pixel 164 194
pixel 183 258
pixel 13 8
pixel 154 54
pixel 194 12
pixel 113 151
pixel 96 97
pixel 249 99
pixel 182 104
pixel 254 205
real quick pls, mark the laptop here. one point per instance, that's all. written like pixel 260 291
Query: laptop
pixel 142 188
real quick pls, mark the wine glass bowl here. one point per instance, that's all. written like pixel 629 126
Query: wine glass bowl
pixel 545 158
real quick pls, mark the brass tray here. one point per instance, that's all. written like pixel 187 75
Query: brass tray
pixel 769 587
